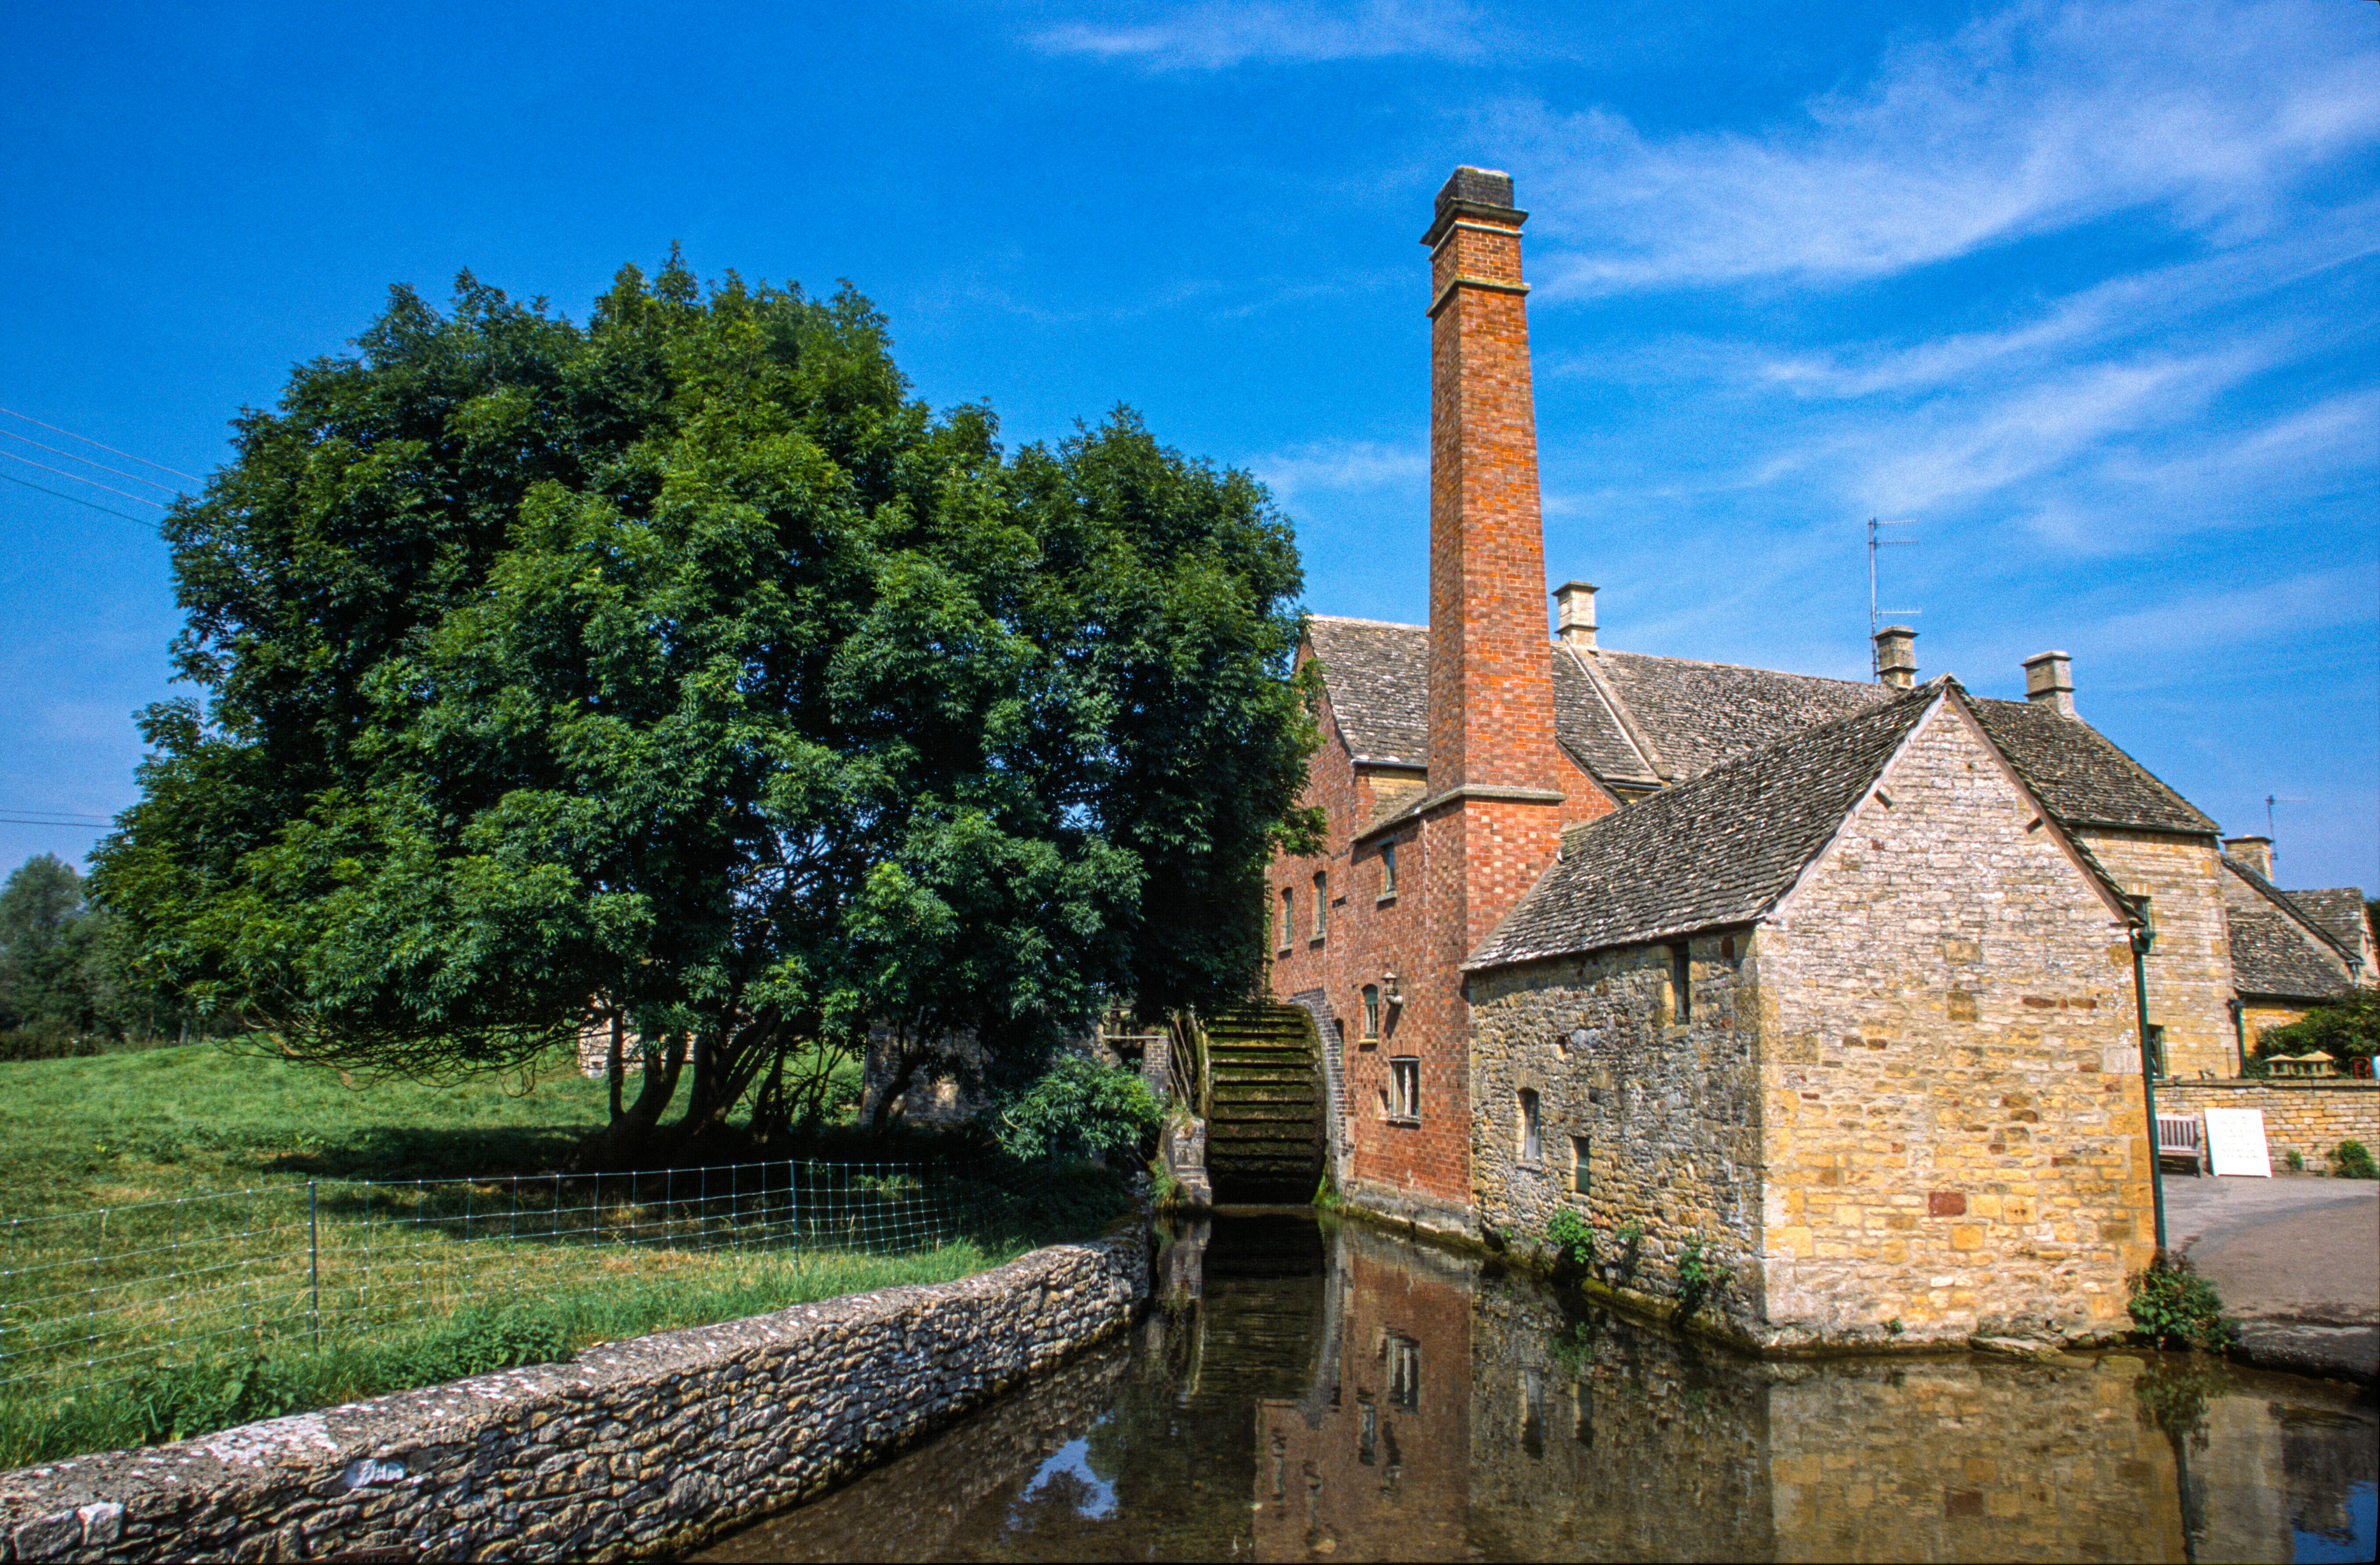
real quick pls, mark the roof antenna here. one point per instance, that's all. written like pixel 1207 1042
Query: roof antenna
pixel 2271 799
pixel 1874 615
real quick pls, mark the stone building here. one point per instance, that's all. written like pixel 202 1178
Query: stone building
pixel 2290 951
pixel 1830 977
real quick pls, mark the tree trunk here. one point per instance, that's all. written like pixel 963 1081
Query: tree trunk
pixel 902 1074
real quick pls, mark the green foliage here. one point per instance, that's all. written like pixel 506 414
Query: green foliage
pixel 1571 1237
pixel 2353 1161
pixel 682 661
pixel 1699 1276
pixel 1893 1327
pixel 2346 1030
pixel 2171 1304
pixel 1078 1106
pixel 2296 1161
pixel 63 990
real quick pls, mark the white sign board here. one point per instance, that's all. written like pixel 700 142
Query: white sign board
pixel 2235 1141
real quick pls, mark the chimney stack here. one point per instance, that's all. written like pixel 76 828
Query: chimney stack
pixel 1491 694
pixel 1896 655
pixel 1575 613
pixel 2049 681
pixel 2256 852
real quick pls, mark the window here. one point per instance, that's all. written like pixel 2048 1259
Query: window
pixel 1288 916
pixel 1532 1149
pixel 1405 1373
pixel 1321 904
pixel 2156 1049
pixel 1404 1089
pixel 1371 1010
pixel 1387 869
pixel 1578 1165
pixel 1682 984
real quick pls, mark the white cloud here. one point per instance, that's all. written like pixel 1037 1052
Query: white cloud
pixel 2026 122
pixel 2312 601
pixel 1342 465
pixel 1211 37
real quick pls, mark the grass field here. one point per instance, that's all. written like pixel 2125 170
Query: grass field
pixel 188 1242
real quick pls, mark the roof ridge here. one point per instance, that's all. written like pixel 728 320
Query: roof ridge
pixel 1713 663
pixel 1357 619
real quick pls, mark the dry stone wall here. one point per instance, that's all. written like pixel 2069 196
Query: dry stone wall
pixel 632 1449
pixel 2307 1117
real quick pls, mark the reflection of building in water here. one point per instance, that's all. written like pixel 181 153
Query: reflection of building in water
pixel 1372 1463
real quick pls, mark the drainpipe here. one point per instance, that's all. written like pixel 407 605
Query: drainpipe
pixel 2141 939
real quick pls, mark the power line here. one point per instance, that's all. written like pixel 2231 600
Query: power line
pixel 7 819
pixel 144 520
pixel 109 450
pixel 85 462
pixel 78 478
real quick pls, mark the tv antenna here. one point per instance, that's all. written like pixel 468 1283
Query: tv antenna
pixel 1877 540
pixel 2271 799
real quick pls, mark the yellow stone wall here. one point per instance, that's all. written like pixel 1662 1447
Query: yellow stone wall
pixel 2190 965
pixel 1954 1138
pixel 2307 1117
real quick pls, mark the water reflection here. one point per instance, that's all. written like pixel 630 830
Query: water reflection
pixel 1318 1393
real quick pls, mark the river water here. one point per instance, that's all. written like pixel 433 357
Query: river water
pixel 1311 1390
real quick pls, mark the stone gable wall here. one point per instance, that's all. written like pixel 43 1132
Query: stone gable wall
pixel 2307 1117
pixel 1954 1130
pixel 1671 1111
pixel 631 1450
pixel 2190 964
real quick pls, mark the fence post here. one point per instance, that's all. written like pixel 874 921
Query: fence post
pixel 314 1258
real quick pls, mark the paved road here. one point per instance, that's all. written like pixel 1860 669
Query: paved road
pixel 2282 1248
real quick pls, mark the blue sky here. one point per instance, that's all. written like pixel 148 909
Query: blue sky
pixel 2084 290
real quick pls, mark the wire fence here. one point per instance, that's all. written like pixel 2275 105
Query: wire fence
pixel 97 1296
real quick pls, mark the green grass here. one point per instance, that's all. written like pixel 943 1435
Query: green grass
pixel 139 1303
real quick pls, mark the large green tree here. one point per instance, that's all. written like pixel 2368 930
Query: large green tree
pixel 682 663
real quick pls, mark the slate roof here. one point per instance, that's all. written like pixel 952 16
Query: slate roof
pixel 2080 775
pixel 1692 716
pixel 1589 726
pixel 1697 715
pixel 1718 848
pixel 2340 911
pixel 2276 949
pixel 1377 676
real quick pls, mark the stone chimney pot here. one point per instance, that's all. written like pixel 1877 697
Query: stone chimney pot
pixel 2256 852
pixel 1575 613
pixel 1896 655
pixel 2049 681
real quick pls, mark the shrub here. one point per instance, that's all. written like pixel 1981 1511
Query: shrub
pixel 1078 1106
pixel 1572 1240
pixel 2353 1161
pixel 2171 1304
pixel 1699 1276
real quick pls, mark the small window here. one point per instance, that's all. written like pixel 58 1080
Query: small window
pixel 1387 869
pixel 1371 1011
pixel 1321 904
pixel 1405 1373
pixel 1682 983
pixel 2157 1049
pixel 1578 1165
pixel 1288 917
pixel 1532 1148
pixel 1404 1089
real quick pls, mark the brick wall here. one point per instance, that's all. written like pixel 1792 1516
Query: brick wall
pixel 2307 1117
pixel 2190 965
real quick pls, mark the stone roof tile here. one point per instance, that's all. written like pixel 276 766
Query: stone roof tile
pixel 1697 715
pixel 1719 849
pixel 2080 775
pixel 1377 676
pixel 2276 949
pixel 2340 911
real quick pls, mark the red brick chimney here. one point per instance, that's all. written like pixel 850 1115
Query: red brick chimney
pixel 1491 700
